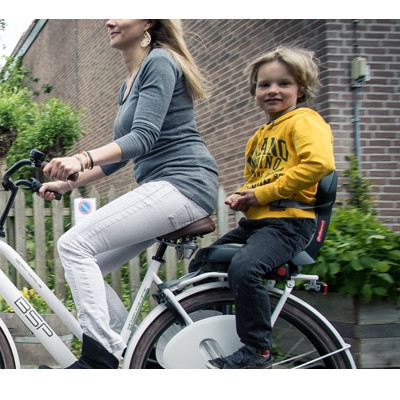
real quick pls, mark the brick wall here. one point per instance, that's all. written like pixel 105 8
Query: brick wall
pixel 74 56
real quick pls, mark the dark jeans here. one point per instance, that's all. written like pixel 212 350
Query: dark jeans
pixel 269 243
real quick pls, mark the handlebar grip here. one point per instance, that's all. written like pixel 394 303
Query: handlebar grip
pixel 36 185
pixel 73 177
pixel 58 195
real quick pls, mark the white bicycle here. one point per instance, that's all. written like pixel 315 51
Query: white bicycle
pixel 195 316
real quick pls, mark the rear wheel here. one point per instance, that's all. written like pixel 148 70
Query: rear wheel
pixel 301 338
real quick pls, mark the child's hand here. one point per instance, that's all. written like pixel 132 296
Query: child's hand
pixel 242 201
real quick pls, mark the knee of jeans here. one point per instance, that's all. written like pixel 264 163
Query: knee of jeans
pixel 66 244
pixel 245 272
pixel 237 271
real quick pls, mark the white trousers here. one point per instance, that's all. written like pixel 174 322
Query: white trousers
pixel 110 237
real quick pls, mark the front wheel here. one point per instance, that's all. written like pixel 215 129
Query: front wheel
pixel 301 338
pixel 6 356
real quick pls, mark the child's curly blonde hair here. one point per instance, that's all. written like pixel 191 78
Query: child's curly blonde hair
pixel 301 63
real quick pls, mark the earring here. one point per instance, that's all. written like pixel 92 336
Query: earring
pixel 146 39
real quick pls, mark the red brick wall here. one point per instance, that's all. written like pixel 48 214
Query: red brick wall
pixel 74 56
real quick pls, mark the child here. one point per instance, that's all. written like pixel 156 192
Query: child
pixel 285 160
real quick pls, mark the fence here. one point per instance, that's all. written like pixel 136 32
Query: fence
pixel 31 230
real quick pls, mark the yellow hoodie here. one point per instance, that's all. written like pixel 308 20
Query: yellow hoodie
pixel 286 159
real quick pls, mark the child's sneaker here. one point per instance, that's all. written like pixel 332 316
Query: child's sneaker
pixel 245 357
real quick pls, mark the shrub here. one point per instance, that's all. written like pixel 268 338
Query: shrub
pixel 360 256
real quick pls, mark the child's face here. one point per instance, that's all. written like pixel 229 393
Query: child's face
pixel 277 90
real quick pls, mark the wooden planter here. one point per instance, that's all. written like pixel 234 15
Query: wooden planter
pixel 372 329
pixel 31 352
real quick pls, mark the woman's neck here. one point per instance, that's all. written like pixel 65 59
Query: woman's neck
pixel 133 58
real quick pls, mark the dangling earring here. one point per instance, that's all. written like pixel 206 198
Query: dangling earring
pixel 146 39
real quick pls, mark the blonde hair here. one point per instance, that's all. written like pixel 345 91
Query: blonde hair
pixel 168 34
pixel 301 63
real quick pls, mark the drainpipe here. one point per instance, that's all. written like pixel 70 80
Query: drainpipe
pixel 358 76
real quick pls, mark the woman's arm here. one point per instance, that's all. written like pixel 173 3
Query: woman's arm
pixel 61 168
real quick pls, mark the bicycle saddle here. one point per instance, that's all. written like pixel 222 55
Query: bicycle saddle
pixel 197 228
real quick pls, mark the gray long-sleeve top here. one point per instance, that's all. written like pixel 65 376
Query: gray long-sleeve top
pixel 155 128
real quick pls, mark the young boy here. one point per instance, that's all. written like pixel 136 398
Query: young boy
pixel 285 160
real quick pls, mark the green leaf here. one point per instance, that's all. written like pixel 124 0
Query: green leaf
pixel 380 291
pixel 366 292
pixel 356 265
pixel 386 277
pixel 383 266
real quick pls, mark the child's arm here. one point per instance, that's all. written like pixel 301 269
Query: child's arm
pixel 242 201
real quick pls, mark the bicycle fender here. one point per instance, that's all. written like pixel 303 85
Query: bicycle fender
pixel 11 343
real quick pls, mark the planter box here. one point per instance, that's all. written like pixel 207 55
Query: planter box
pixel 31 352
pixel 372 329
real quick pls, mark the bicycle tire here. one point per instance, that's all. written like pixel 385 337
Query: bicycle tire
pixel 6 356
pixel 309 336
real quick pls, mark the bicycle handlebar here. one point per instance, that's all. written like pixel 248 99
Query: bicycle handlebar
pixel 37 159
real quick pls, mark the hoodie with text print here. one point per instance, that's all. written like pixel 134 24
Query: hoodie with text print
pixel 286 159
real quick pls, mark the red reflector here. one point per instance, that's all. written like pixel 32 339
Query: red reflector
pixel 321 230
pixel 281 271
pixel 324 288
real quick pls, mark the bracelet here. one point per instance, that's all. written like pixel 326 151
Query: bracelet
pixel 80 159
pixel 70 184
pixel 89 158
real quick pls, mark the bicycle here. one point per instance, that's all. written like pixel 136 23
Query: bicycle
pixel 194 319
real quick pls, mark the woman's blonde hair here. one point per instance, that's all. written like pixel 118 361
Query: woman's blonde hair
pixel 301 63
pixel 168 34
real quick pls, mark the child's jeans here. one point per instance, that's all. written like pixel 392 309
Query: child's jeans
pixel 269 243
pixel 110 237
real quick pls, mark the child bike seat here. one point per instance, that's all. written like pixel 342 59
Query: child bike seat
pixel 218 258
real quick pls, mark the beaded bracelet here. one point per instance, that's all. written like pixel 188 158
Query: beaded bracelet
pixel 70 184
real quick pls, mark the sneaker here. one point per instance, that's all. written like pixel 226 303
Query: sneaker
pixel 245 357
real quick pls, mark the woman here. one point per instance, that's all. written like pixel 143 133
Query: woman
pixel 155 128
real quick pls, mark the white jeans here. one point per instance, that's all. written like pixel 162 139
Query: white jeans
pixel 110 237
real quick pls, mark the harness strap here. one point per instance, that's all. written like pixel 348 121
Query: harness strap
pixel 282 204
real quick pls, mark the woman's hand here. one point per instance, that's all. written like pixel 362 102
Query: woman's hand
pixel 62 168
pixel 47 190
pixel 242 201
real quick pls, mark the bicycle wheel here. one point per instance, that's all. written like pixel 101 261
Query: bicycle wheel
pixel 6 356
pixel 301 339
